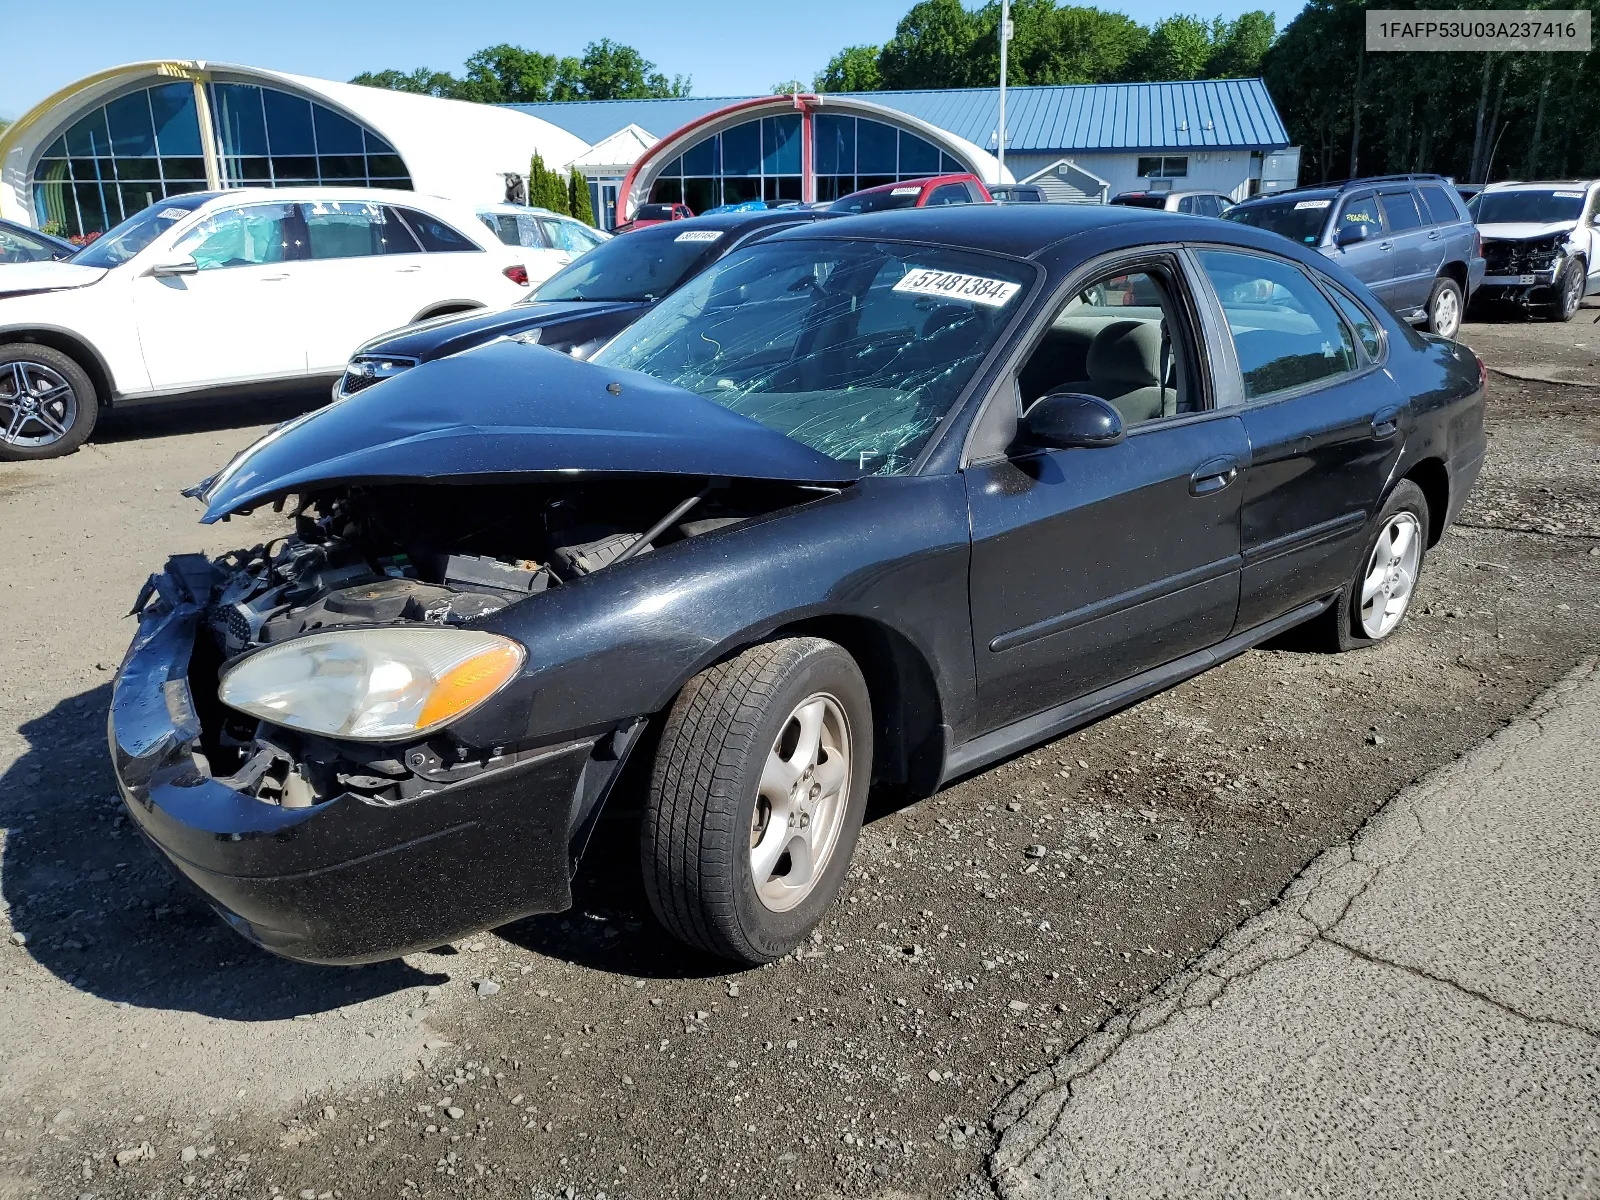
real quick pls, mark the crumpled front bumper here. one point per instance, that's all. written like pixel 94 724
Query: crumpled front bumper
pixel 349 880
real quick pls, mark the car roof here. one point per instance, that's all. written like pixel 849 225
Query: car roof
pixel 750 219
pixel 1511 185
pixel 1029 230
pixel 520 210
pixel 371 195
pixel 925 181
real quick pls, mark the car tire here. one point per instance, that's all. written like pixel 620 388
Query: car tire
pixel 48 404
pixel 730 798
pixel 1445 306
pixel 1569 291
pixel 1368 610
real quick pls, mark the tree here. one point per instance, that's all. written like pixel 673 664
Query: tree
pixel 1179 48
pixel 787 87
pixel 421 82
pixel 546 188
pixel 931 47
pixel 853 69
pixel 4 122
pixel 615 72
pixel 578 204
pixel 507 74
pixel 1238 46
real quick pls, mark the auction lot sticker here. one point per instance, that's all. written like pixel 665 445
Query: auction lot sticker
pixel 1478 29
pixel 924 281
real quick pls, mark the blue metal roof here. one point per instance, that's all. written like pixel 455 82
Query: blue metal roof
pixel 1205 113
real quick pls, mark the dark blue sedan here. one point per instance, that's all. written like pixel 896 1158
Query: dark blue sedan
pixel 869 503
pixel 19 244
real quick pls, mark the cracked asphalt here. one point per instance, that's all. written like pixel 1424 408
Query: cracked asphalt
pixel 147 1051
pixel 1416 1015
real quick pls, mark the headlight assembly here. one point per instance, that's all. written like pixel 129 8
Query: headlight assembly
pixel 372 685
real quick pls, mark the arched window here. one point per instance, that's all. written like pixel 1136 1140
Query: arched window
pixel 851 153
pixel 120 158
pixel 758 160
pixel 268 138
pixel 147 145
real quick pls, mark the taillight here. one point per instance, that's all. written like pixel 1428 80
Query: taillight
pixel 517 274
pixel 1483 374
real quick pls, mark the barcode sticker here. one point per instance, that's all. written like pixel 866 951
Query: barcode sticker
pixel 924 281
pixel 1312 204
pixel 698 235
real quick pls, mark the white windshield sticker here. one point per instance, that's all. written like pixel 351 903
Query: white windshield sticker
pixel 172 214
pixel 905 191
pixel 924 281
pixel 698 235
pixel 1570 195
pixel 1312 204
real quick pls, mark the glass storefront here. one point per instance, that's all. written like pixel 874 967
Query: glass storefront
pixel 760 160
pixel 269 138
pixel 147 145
pixel 852 153
pixel 118 159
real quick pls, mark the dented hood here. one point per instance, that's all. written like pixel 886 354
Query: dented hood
pixel 34 277
pixel 507 410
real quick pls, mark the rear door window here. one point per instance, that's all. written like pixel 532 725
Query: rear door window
pixel 1440 209
pixel 435 235
pixel 1400 211
pixel 1285 332
pixel 352 229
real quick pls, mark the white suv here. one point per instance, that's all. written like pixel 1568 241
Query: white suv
pixel 550 239
pixel 212 291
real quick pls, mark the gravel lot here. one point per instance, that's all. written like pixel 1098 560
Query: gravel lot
pixel 147 1051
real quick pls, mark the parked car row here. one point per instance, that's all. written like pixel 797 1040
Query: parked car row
pixel 213 291
pixel 842 502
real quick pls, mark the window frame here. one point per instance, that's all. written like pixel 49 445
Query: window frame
pixel 993 428
pixel 1401 193
pixel 1332 230
pixel 1229 353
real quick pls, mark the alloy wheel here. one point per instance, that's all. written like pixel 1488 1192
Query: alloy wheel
pixel 1391 575
pixel 1571 292
pixel 1446 313
pixel 37 406
pixel 800 803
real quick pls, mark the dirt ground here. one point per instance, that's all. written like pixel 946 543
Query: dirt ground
pixel 146 1051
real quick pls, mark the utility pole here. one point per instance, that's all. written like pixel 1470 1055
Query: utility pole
pixel 1005 38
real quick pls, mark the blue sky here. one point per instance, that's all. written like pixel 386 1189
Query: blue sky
pixel 729 47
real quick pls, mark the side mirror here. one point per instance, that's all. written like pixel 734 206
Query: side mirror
pixel 178 266
pixel 1348 235
pixel 1069 420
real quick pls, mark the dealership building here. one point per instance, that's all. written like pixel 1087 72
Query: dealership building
pixel 107 145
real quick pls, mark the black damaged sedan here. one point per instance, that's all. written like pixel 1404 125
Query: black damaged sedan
pixel 866 504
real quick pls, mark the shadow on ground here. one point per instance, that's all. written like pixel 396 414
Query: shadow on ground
pixel 105 915
pixel 170 418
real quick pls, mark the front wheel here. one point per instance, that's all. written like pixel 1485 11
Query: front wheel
pixel 47 403
pixel 1373 604
pixel 1444 307
pixel 1569 292
pixel 756 798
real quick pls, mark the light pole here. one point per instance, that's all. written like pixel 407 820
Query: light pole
pixel 1005 37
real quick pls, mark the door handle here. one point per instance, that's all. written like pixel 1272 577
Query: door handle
pixel 1433 235
pixel 1213 476
pixel 1385 423
pixel 1385 245
pixel 273 278
pixel 408 270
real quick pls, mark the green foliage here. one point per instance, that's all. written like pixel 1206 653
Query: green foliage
pixel 507 74
pixel 853 69
pixel 578 204
pixel 1472 116
pixel 1179 48
pixel 546 188
pixel 940 44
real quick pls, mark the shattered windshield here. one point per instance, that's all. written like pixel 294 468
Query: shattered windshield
pixel 856 349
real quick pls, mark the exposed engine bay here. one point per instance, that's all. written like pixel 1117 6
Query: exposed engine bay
pixel 396 555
